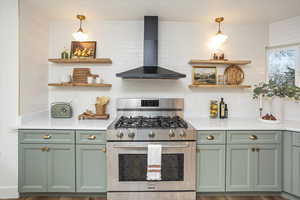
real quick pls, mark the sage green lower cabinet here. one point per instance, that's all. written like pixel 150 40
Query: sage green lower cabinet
pixel 61 168
pixel 287 162
pixel 32 168
pixel 91 168
pixel 296 170
pixel 240 171
pixel 210 168
pixel 253 167
pixel 267 168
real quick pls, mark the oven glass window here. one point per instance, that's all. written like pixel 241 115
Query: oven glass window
pixel 133 167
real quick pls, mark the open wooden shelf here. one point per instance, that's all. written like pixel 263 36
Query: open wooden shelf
pixel 220 86
pixel 220 62
pixel 81 60
pixel 79 85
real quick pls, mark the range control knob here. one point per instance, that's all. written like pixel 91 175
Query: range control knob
pixel 151 134
pixel 131 134
pixel 172 133
pixel 182 134
pixel 120 134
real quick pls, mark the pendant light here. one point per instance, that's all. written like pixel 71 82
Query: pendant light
pixel 219 38
pixel 80 35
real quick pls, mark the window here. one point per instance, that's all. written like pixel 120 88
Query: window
pixel 282 65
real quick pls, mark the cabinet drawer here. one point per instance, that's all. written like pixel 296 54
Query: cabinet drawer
pixel 253 137
pixel 90 137
pixel 46 136
pixel 296 139
pixel 211 137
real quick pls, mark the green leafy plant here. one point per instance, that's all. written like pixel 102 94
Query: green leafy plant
pixel 275 89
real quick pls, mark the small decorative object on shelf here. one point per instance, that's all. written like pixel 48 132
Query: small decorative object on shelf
pixel 65 54
pixel 234 75
pixel 204 75
pixel 218 55
pixel 83 50
pixel 272 91
pixel 83 75
pixel 100 107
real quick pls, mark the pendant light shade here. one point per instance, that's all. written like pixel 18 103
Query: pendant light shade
pixel 80 35
pixel 219 38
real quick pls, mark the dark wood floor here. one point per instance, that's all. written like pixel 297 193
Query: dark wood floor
pixel 199 198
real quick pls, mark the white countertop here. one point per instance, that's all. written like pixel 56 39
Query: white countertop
pixel 43 121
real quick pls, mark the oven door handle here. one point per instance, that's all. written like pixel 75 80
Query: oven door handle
pixel 146 146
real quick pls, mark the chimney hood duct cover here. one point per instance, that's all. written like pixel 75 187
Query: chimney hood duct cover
pixel 150 70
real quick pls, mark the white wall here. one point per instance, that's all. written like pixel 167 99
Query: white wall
pixel 9 97
pixel 178 43
pixel 33 50
pixel 287 32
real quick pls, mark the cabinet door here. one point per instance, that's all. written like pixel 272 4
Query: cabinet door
pixel 239 176
pixel 32 168
pixel 61 168
pixel 267 168
pixel 91 168
pixel 287 162
pixel 210 168
pixel 296 171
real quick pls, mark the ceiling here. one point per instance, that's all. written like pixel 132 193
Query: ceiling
pixel 234 11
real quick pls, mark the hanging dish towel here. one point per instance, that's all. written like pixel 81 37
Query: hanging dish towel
pixel 154 162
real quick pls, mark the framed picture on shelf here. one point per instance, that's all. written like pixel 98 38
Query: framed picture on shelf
pixel 83 49
pixel 204 75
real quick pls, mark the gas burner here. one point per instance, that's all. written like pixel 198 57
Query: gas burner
pixel 163 122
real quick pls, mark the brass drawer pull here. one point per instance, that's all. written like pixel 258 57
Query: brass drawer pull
pixel 92 137
pixel 210 137
pixel 47 137
pixel 45 148
pixel 253 137
pixel 103 150
pixel 257 149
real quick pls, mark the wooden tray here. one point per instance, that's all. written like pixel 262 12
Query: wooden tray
pixel 234 75
pixel 84 116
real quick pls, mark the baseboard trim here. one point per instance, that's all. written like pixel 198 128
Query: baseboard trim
pixel 289 196
pixel 9 192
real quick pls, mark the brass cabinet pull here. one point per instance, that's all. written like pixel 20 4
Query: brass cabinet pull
pixel 45 148
pixel 253 149
pixel 257 149
pixel 253 137
pixel 46 137
pixel 103 150
pixel 92 137
pixel 210 137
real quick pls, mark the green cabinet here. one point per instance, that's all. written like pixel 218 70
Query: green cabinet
pixel 91 168
pixel 61 168
pixel 46 161
pixel 32 168
pixel 210 168
pixel 253 167
pixel 296 170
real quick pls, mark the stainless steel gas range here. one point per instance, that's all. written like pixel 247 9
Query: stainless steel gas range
pixel 141 122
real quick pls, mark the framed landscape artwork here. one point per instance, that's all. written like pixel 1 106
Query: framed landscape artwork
pixel 204 75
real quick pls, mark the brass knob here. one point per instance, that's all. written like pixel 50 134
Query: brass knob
pixel 103 150
pixel 45 148
pixel 210 137
pixel 92 137
pixel 253 149
pixel 46 137
pixel 253 137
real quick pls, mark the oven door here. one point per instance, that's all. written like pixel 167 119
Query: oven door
pixel 127 166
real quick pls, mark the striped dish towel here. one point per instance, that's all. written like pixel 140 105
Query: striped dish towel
pixel 154 162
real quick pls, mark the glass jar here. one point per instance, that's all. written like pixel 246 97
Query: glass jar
pixel 213 110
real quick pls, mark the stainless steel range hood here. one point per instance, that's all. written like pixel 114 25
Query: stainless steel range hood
pixel 150 70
